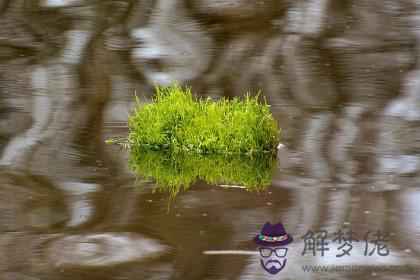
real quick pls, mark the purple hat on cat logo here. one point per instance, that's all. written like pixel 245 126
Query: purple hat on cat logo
pixel 273 235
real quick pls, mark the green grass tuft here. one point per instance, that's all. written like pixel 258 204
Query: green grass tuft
pixel 178 139
pixel 177 121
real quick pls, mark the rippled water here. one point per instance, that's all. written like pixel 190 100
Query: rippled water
pixel 343 79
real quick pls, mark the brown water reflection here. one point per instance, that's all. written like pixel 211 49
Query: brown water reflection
pixel 343 79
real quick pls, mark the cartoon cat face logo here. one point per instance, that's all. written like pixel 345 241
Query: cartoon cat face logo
pixel 273 239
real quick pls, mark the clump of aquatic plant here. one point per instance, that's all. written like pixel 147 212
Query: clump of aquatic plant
pixel 174 172
pixel 177 139
pixel 175 121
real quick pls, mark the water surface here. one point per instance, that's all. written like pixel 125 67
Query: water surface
pixel 343 80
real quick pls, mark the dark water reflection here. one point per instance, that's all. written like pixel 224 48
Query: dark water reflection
pixel 343 79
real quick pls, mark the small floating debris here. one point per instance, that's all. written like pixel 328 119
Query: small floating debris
pixel 230 252
pixel 232 186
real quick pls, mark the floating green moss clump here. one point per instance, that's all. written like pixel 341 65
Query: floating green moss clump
pixel 177 121
pixel 178 139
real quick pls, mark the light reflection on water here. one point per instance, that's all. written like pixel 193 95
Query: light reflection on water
pixel 343 82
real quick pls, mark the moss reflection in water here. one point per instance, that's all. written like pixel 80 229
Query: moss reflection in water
pixel 174 172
